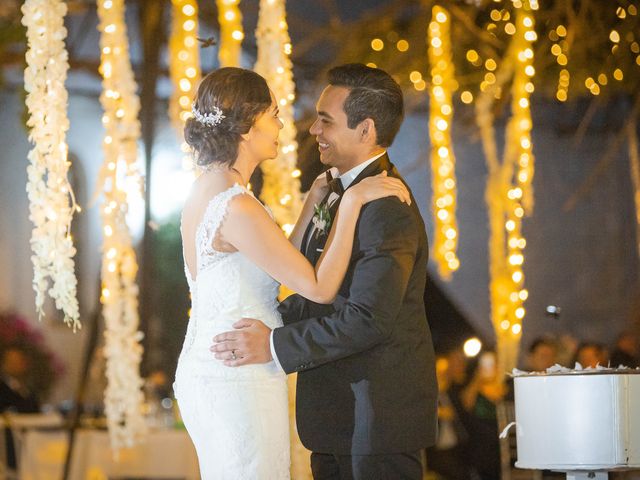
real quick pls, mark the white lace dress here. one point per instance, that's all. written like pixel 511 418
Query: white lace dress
pixel 236 417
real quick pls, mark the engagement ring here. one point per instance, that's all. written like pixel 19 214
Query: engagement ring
pixel 233 355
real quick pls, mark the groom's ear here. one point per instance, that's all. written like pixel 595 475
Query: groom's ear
pixel 367 130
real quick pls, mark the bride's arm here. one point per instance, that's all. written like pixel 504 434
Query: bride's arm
pixel 303 220
pixel 316 193
pixel 250 229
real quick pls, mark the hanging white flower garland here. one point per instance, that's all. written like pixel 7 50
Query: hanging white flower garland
pixel 120 175
pixel 51 200
pixel 281 189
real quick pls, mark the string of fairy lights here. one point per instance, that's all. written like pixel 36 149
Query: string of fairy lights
pixel 119 177
pixel 597 82
pixel 184 68
pixel 519 159
pixel 443 178
pixel 281 182
pixel 634 166
pixel 231 33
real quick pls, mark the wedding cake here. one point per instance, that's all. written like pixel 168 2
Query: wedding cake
pixel 578 419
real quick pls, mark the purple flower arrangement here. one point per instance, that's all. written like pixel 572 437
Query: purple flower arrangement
pixel 45 367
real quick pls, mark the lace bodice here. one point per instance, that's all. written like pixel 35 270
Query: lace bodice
pixel 226 286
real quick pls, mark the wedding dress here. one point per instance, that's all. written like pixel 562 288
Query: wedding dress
pixel 237 417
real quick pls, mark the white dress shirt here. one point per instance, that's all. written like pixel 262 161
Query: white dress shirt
pixel 347 179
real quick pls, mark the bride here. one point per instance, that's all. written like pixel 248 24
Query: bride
pixel 235 258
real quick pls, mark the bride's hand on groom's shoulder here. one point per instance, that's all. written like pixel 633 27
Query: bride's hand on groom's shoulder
pixel 320 186
pixel 376 187
pixel 248 344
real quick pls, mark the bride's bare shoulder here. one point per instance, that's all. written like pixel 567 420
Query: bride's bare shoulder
pixel 204 188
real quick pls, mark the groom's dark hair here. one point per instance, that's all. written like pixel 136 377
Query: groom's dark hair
pixel 373 94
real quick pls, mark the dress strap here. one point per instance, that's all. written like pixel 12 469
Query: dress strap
pixel 213 217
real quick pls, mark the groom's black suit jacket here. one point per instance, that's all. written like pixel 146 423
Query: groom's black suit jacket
pixel 366 373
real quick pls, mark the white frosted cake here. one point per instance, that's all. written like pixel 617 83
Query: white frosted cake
pixel 578 420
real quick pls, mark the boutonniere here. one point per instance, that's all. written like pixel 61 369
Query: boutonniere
pixel 321 219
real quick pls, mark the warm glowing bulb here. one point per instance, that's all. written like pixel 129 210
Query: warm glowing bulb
pixel 441 124
pixel 402 45
pixel 377 44
pixel 472 347
pixel 185 85
pixel 614 36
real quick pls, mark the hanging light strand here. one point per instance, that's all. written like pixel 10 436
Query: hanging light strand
pixel 231 34
pixel 634 164
pixel 442 157
pixel 119 176
pixel 560 50
pixel 506 187
pixel 520 197
pixel 51 200
pixel 518 170
pixel 281 187
pixel 184 68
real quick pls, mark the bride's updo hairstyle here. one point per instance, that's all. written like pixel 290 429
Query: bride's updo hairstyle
pixel 228 102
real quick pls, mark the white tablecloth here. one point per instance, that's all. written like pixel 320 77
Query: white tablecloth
pixel 165 454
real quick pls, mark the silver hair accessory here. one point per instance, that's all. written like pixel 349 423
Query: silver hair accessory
pixel 210 119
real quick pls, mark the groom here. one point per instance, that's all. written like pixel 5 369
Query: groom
pixel 366 393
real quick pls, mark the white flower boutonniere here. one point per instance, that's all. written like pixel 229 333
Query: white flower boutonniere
pixel 321 219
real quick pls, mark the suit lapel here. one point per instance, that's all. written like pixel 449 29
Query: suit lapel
pixel 305 240
pixel 315 242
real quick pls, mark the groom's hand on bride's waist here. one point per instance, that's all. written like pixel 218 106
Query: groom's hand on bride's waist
pixel 247 344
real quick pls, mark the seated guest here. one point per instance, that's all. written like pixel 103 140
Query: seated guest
pixel 15 394
pixel 449 457
pixel 543 353
pixel 478 398
pixel 591 354
pixel 626 351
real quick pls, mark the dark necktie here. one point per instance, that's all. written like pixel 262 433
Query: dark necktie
pixel 335 186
